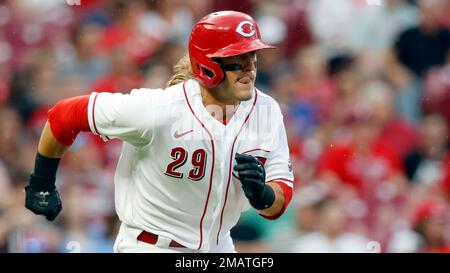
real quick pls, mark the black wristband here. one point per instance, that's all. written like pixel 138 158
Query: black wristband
pixel 44 173
pixel 264 200
pixel 39 183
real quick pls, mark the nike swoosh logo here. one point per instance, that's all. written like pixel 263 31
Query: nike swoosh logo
pixel 178 135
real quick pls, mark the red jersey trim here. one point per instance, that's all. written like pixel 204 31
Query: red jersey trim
pixel 287 199
pixel 257 149
pixel 93 115
pixel 281 179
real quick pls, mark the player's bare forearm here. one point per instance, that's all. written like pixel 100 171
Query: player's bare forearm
pixel 278 204
pixel 49 146
pixel 42 197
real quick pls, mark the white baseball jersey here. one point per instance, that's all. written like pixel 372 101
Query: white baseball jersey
pixel 175 174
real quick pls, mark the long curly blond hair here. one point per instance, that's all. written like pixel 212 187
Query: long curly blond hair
pixel 182 71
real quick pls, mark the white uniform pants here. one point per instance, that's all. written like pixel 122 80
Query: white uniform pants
pixel 127 242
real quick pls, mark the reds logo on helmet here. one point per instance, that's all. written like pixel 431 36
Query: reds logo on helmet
pixel 219 35
pixel 246 29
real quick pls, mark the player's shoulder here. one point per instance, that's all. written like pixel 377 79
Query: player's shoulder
pixel 265 100
pixel 169 95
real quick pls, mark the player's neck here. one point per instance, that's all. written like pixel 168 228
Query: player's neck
pixel 220 108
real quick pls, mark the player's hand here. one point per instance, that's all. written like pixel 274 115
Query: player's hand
pixel 252 176
pixel 42 198
pixel 251 173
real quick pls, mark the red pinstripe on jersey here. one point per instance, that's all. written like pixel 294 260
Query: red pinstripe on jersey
pixel 212 166
pixel 231 159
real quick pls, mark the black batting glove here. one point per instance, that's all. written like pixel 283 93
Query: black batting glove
pixel 41 196
pixel 252 176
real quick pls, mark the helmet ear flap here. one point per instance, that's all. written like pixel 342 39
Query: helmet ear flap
pixel 208 72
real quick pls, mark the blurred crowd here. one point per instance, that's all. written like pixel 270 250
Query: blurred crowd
pixel 364 86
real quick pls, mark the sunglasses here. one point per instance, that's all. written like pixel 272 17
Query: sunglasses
pixel 235 66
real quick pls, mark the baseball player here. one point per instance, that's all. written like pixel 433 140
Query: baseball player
pixel 195 155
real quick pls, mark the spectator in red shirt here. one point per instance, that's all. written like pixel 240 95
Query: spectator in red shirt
pixel 361 162
pixel 445 182
pixel 431 220
pixel 395 130
pixel 364 158
pixel 126 32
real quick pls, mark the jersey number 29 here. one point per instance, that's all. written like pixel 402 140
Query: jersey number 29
pixel 180 155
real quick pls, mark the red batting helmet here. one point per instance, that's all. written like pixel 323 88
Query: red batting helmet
pixel 218 35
